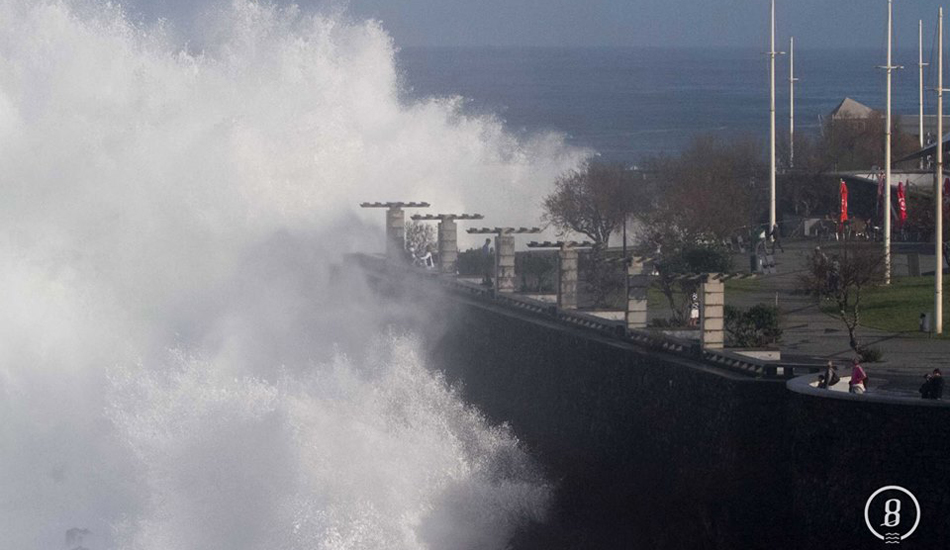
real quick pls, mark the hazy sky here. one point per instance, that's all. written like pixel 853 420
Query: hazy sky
pixel 665 23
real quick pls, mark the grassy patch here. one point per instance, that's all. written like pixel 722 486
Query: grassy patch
pixel 744 285
pixel 897 308
pixel 656 301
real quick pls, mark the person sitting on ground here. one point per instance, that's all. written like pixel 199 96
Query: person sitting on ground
pixel 858 383
pixel 933 386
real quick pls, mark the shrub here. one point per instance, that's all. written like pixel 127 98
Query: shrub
pixel 474 262
pixel 538 272
pixel 870 355
pixel 752 328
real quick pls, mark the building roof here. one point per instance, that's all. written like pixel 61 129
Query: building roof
pixel 849 108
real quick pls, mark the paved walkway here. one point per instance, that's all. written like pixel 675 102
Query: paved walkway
pixel 807 332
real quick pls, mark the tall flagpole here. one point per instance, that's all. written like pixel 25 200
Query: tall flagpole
pixel 887 154
pixel 938 185
pixel 791 102
pixel 920 80
pixel 772 54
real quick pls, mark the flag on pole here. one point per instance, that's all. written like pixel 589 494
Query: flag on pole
pixel 844 202
pixel 901 203
pixel 946 193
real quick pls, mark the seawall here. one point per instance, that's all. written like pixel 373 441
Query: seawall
pixel 658 451
pixel 649 453
pixel 844 447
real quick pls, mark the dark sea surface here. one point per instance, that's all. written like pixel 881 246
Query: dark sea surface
pixel 629 103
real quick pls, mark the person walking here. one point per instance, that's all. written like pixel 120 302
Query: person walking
pixel 487 263
pixel 776 240
pixel 858 382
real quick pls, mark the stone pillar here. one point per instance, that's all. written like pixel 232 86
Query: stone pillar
pixel 448 247
pixel 567 278
pixel 638 282
pixel 505 263
pixel 395 233
pixel 711 314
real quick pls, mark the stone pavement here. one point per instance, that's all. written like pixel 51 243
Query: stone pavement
pixel 809 333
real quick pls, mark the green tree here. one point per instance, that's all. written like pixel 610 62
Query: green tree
pixel 677 254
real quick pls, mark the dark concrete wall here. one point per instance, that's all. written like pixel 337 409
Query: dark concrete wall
pixel 844 449
pixel 657 452
pixel 648 452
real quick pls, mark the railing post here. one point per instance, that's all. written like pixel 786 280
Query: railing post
pixel 711 313
pixel 567 277
pixel 505 263
pixel 448 246
pixel 638 283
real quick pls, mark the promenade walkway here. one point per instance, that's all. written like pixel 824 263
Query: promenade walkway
pixel 810 333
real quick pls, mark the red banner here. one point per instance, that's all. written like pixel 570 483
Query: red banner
pixel 844 203
pixel 901 203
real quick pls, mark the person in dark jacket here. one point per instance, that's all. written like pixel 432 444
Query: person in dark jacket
pixel 933 386
pixel 831 374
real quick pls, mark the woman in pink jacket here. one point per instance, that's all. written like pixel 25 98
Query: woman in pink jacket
pixel 858 383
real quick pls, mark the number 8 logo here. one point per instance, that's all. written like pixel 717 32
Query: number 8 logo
pixel 892 513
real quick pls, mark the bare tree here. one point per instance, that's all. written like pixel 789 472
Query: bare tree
pixel 855 144
pixel 594 201
pixel 843 278
pixel 714 187
pixel 420 237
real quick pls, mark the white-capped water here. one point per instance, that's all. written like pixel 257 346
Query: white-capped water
pixel 174 372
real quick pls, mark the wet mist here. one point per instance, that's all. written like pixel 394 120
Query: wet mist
pixel 175 371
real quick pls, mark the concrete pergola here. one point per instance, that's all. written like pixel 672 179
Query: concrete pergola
pixel 566 269
pixel 711 305
pixel 639 276
pixel 504 252
pixel 395 225
pixel 448 237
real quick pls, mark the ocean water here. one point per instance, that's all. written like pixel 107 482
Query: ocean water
pixel 629 103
